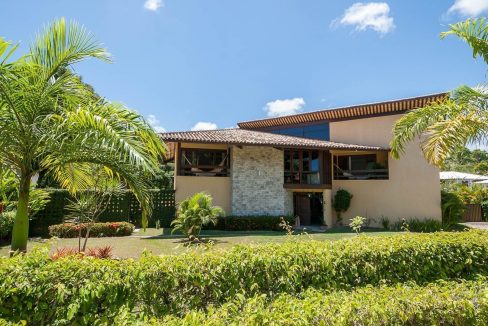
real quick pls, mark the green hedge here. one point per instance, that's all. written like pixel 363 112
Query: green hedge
pixel 6 224
pixel 81 291
pixel 443 303
pixel 111 229
pixel 251 223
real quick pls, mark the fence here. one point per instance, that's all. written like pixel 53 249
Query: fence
pixel 474 213
pixel 122 207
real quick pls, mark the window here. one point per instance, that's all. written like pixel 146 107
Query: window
pixel 319 131
pixel 302 167
pixel 204 162
pixel 361 167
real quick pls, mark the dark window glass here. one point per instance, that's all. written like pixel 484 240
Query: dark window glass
pixel 315 161
pixel 287 161
pixel 359 167
pixel 319 131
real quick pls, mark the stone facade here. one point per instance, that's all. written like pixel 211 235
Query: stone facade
pixel 257 182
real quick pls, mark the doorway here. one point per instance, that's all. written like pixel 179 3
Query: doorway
pixel 309 207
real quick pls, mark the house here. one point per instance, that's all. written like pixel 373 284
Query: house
pixel 294 165
pixel 462 177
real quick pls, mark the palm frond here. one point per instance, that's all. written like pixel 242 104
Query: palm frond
pixel 474 32
pixel 63 44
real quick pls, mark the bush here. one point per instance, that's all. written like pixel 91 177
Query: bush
pixel 442 303
pixel 252 223
pixel 342 201
pixel 111 229
pixel 416 225
pixel 6 224
pixel 80 291
pixel 453 208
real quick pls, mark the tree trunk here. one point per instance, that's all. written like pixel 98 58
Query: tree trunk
pixel 20 232
pixel 86 237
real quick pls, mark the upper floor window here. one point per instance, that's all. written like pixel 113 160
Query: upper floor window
pixel 361 166
pixel 318 131
pixel 204 162
pixel 302 167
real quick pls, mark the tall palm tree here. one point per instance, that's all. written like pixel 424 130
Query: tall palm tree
pixel 50 120
pixel 458 120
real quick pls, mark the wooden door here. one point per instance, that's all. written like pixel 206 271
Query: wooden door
pixel 303 209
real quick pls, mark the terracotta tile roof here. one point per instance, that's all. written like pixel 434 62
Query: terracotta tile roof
pixel 243 137
pixel 345 113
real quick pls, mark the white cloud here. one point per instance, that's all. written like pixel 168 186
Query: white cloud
pixel 373 15
pixel 204 126
pixel 153 5
pixel 470 8
pixel 280 108
pixel 154 123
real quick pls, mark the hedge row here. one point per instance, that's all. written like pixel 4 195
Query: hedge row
pixel 442 303
pixel 81 291
pixel 110 229
pixel 251 223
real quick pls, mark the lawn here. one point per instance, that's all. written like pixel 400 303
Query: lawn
pixel 162 242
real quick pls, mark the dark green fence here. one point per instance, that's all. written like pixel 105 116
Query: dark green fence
pixel 123 207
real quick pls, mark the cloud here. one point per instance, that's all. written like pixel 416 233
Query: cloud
pixel 280 108
pixel 153 5
pixel 373 15
pixel 154 123
pixel 204 126
pixel 469 8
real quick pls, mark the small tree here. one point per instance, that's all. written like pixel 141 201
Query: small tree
pixel 342 201
pixel 357 223
pixel 89 204
pixel 195 212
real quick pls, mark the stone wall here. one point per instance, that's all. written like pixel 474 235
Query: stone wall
pixel 257 182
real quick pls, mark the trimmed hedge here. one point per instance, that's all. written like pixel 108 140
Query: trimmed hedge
pixel 81 291
pixel 442 303
pixel 111 229
pixel 251 223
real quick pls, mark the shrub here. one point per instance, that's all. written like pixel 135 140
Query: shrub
pixel 110 229
pixel 252 223
pixel 453 208
pixel 194 213
pixel 385 222
pixel 417 225
pixel 97 252
pixel 80 291
pixel 443 303
pixel 6 224
pixel 342 201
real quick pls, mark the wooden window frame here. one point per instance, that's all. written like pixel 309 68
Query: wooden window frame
pixel 186 169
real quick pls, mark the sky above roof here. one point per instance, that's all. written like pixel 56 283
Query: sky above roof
pixel 203 64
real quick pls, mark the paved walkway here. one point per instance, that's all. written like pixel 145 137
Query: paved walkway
pixel 477 225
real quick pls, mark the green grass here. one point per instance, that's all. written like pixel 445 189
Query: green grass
pixel 162 242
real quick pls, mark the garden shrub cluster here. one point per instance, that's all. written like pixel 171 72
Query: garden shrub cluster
pixel 6 224
pixel 442 303
pixel 80 291
pixel 251 223
pixel 419 225
pixel 109 229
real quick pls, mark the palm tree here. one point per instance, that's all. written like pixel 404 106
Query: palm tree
pixel 194 213
pixel 458 120
pixel 50 120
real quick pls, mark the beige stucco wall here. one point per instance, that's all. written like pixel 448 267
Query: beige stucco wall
pixel 413 188
pixel 218 187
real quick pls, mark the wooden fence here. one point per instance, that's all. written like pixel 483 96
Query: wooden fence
pixel 120 208
pixel 474 213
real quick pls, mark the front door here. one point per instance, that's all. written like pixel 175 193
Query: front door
pixel 303 209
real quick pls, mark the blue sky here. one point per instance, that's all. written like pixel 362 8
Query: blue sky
pixel 203 63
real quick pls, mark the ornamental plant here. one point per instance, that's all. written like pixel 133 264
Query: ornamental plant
pixel 194 213
pixel 342 201
pixel 357 223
